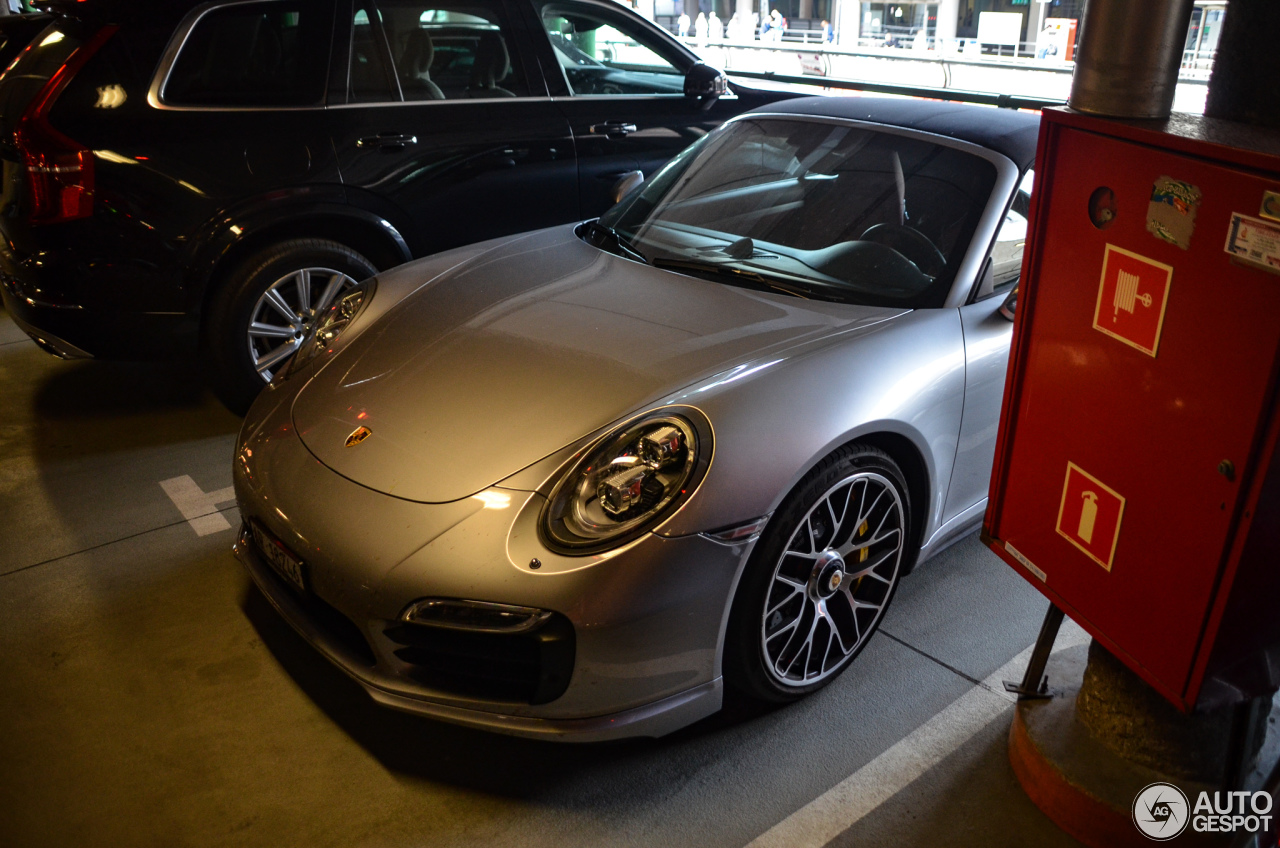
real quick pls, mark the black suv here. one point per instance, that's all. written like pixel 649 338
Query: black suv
pixel 183 179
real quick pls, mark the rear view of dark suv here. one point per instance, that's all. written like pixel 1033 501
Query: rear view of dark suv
pixel 183 178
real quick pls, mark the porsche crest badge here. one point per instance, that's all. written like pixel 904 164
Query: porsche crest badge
pixel 358 435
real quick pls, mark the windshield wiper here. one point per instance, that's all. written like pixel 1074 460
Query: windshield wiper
pixel 736 276
pixel 610 239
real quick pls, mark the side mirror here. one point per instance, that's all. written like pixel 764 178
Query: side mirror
pixel 1009 309
pixel 625 184
pixel 705 83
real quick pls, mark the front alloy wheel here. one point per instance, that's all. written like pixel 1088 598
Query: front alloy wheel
pixel 833 580
pixel 821 577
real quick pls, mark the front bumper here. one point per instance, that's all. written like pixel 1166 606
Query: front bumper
pixel 654 719
pixel 648 620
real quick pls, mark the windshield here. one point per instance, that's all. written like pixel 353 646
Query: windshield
pixel 824 210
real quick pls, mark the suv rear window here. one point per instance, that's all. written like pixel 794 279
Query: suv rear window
pixel 254 54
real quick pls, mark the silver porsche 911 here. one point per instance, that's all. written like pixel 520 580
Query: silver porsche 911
pixel 575 483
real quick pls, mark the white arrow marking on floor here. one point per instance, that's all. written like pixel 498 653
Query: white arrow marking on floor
pixel 199 507
pixel 843 805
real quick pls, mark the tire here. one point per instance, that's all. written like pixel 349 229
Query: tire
pixel 820 577
pixel 265 307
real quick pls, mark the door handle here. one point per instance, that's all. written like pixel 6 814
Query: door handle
pixel 613 129
pixel 614 176
pixel 389 141
pixel 500 159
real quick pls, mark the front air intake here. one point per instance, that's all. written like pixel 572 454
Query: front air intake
pixel 489 651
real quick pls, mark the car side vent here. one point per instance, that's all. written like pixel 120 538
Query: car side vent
pixel 480 652
pixel 340 629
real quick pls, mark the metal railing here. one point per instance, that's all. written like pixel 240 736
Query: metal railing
pixel 889 41
pixel 1196 64
pixel 1004 101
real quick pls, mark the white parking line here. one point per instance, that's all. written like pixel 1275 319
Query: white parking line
pixel 199 507
pixel 843 805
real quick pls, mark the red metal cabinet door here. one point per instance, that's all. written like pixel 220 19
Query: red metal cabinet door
pixel 1149 429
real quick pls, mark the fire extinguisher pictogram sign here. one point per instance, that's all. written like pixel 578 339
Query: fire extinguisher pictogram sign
pixel 1089 515
pixel 1132 296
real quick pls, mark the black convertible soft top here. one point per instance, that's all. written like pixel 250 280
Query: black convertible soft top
pixel 1005 131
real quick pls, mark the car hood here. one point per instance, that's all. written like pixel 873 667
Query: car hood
pixel 526 349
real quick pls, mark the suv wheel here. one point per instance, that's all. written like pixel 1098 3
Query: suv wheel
pixel 259 318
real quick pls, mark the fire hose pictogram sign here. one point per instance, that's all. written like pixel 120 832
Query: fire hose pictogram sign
pixel 1089 515
pixel 1132 297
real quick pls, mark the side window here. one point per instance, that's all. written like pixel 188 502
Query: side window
pixel 439 49
pixel 254 54
pixel 1006 255
pixel 112 86
pixel 602 52
pixel 370 77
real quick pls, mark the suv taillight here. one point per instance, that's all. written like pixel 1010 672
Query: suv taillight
pixel 59 169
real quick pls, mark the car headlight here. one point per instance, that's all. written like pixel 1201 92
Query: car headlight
pixel 628 481
pixel 330 324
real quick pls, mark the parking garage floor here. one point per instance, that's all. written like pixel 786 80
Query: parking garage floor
pixel 152 697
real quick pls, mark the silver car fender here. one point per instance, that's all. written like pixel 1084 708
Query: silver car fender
pixel 904 377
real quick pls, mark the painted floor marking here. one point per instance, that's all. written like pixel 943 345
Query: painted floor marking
pixel 198 507
pixel 843 805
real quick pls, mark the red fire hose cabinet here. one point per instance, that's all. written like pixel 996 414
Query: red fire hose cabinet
pixel 1136 480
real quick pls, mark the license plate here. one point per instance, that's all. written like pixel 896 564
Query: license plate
pixel 284 563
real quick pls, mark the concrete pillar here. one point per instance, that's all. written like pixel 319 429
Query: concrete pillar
pixel 1084 754
pixel 948 16
pixel 847 19
pixel 1136 723
pixel 1038 15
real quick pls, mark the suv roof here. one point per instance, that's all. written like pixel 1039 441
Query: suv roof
pixel 118 11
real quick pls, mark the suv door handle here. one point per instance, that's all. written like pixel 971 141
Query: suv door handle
pixel 389 141
pixel 613 129
pixel 504 157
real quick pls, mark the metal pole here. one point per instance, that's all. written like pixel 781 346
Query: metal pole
pixel 1034 683
pixel 1127 64
pixel 1243 86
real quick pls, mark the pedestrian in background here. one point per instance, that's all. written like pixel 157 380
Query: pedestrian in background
pixel 777 25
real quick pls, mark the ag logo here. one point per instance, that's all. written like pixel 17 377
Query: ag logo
pixel 1161 811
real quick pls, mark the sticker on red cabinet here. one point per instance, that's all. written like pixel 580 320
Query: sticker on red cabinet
pixel 1089 515
pixel 1255 241
pixel 1132 296
pixel 1171 214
